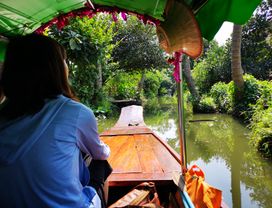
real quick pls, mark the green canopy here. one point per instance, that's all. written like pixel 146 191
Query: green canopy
pixel 22 17
pixel 214 13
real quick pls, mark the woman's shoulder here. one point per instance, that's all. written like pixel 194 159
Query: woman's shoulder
pixel 72 105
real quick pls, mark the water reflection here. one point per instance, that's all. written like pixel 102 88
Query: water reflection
pixel 220 147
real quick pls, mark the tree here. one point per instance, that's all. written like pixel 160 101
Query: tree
pixel 212 67
pixel 236 67
pixel 99 49
pixel 89 45
pixel 256 47
pixel 137 48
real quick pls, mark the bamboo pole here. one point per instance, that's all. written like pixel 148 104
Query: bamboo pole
pixel 181 120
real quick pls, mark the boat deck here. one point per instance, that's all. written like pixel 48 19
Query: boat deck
pixel 137 153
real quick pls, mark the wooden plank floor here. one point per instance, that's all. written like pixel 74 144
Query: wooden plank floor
pixel 139 157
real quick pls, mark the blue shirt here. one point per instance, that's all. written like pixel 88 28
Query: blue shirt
pixel 40 159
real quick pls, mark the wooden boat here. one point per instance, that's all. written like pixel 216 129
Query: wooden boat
pixel 138 155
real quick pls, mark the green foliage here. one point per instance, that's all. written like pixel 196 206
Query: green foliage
pixel 138 47
pixel 222 96
pixel 256 50
pixel 261 121
pixel 201 77
pixel 126 85
pixel 167 85
pixel 100 50
pixel 152 84
pixel 82 81
pixel 243 107
pixel 123 86
pixel 89 44
pixel 262 131
pixel 188 106
pixel 206 105
pixel 213 67
pixel 104 107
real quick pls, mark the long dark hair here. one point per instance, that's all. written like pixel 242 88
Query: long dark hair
pixel 33 71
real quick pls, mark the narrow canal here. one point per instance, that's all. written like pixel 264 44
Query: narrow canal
pixel 219 147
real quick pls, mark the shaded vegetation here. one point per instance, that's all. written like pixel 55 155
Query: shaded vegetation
pixel 255 108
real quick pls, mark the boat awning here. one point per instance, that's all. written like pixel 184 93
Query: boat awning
pixel 23 17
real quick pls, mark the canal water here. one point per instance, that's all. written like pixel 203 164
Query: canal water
pixel 219 145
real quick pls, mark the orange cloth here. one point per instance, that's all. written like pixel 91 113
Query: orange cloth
pixel 201 193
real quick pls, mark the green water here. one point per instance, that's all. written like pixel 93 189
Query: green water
pixel 219 147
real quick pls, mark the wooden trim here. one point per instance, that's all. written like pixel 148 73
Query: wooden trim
pixel 129 130
pixel 129 179
pixel 168 147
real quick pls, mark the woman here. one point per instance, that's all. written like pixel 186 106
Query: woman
pixel 43 129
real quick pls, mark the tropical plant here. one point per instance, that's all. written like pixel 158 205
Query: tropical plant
pixel 261 121
pixel 213 67
pixel 123 86
pixel 206 105
pixel 89 44
pixel 222 96
pixel 243 108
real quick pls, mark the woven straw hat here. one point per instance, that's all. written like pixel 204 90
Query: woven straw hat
pixel 180 30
